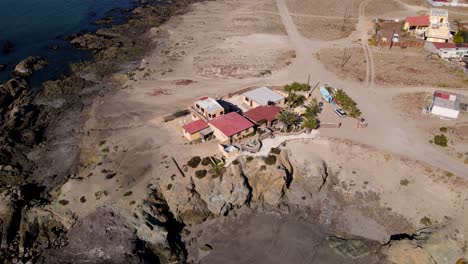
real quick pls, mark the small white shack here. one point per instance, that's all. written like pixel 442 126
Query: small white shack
pixel 263 96
pixel 445 104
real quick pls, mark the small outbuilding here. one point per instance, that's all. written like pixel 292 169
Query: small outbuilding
pixel 197 129
pixel 447 50
pixel 263 96
pixel 231 127
pixel 417 25
pixel 445 104
pixel 263 116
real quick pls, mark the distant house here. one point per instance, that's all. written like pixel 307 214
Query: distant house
pixel 445 104
pixel 439 27
pixel 206 108
pixel 447 50
pixel 195 130
pixel 230 127
pixel 263 115
pixel 417 25
pixel 263 96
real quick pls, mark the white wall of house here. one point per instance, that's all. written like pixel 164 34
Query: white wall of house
pixel 453 53
pixel 445 112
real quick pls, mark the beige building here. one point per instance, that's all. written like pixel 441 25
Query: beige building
pixel 263 96
pixel 206 108
pixel 417 25
pixel 439 27
pixel 231 127
pixel 196 130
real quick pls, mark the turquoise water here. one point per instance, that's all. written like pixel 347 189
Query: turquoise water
pixel 33 25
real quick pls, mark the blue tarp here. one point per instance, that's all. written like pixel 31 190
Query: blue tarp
pixel 325 94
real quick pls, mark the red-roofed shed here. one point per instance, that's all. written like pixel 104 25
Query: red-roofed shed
pixel 194 130
pixel 231 127
pixel 263 114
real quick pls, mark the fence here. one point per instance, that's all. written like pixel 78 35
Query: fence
pixel 179 113
pixel 404 44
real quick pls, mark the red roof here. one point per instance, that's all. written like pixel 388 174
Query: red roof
pixel 195 126
pixel 260 113
pixel 418 20
pixel 443 95
pixel 231 124
pixel 443 45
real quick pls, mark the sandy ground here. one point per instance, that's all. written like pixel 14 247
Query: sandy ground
pixel 128 148
pixel 347 63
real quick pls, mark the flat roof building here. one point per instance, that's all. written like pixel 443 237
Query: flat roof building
pixel 445 104
pixel 263 96
pixel 206 108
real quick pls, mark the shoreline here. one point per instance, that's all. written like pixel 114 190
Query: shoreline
pixel 45 154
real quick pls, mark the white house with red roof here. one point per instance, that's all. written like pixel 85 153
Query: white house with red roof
pixel 445 104
pixel 230 127
pixel 447 50
pixel 417 25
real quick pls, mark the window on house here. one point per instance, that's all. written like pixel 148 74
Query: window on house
pixel 222 113
pixel 246 99
pixel 238 134
pixel 214 115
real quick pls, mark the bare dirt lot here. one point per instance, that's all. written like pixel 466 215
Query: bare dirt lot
pixel 242 57
pixel 414 66
pixel 324 28
pixel 410 106
pixel 334 58
pixel 333 8
pixel 380 7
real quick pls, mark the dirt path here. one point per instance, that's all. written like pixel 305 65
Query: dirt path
pixel 363 28
pixel 386 130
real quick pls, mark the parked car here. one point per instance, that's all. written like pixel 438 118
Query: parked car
pixel 340 112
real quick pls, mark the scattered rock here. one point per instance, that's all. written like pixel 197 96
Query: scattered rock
pixel 29 65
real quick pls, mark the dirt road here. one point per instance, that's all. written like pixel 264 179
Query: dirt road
pixel 386 130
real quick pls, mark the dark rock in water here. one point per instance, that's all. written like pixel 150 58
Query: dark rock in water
pixel 103 21
pixel 2 67
pixel 29 65
pixel 53 46
pixel 89 42
pixel 6 47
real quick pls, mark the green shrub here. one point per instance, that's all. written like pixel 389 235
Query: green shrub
pixel 263 167
pixel 347 103
pixel 443 129
pixel 83 199
pixel 404 182
pixel 276 151
pixel 128 193
pixel 270 160
pixel 440 140
pixel 296 87
pixel 63 202
pixel 425 221
pixel 105 150
pixel 249 158
pixel 235 162
pixel 200 174
pixel 101 143
pixel 193 162
pixel 206 161
pixel 169 186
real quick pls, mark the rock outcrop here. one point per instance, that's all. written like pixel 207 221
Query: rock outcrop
pixel 29 65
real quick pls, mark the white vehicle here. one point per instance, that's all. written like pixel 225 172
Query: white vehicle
pixel 395 37
pixel 340 112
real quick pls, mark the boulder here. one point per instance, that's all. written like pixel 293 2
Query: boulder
pixel 224 193
pixel 29 65
pixel 89 42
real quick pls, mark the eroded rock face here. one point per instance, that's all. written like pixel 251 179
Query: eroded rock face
pixel 29 65
pixel 89 41
pixel 104 236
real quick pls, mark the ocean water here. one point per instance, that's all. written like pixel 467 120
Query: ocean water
pixel 33 25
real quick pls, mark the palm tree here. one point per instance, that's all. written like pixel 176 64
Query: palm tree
pixel 310 123
pixel 312 109
pixel 295 100
pixel 288 118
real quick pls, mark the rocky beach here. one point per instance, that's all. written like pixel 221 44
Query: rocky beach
pixel 91 173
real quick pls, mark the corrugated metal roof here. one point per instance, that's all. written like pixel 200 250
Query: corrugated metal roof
pixel 263 95
pixel 231 124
